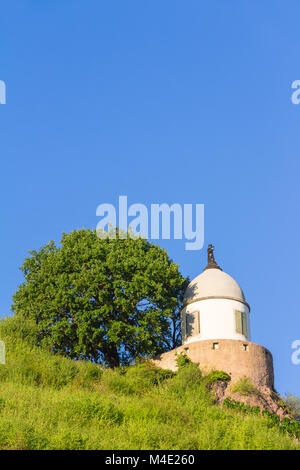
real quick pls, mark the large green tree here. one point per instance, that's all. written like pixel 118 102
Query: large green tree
pixel 107 300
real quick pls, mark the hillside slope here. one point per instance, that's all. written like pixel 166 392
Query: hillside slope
pixel 49 402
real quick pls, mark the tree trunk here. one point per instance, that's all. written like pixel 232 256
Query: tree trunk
pixel 111 357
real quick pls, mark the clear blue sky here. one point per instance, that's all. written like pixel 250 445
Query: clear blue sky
pixel 162 101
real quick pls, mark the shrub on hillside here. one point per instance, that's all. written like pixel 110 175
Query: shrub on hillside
pixel 241 406
pixel 136 379
pixel 148 373
pixel 217 375
pixel 292 403
pixel 27 363
pixel 19 328
pixel 94 407
pixel 88 375
pixel 186 379
pixel 36 369
pixel 182 360
pixel 245 387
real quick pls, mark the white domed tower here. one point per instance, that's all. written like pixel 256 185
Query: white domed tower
pixel 215 326
pixel 214 307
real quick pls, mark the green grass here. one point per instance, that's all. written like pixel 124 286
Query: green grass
pixel 49 402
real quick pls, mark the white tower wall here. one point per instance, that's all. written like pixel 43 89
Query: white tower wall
pixel 215 319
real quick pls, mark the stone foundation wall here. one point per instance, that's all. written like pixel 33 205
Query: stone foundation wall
pixel 237 358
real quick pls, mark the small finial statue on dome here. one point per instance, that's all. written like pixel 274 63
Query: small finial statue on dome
pixel 210 254
pixel 211 262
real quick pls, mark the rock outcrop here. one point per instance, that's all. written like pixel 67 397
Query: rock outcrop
pixel 264 398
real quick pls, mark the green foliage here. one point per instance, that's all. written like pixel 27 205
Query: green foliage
pixel 272 417
pixel 292 403
pixel 241 406
pixel 234 404
pixel 217 375
pixel 52 402
pixel 137 379
pixel 20 328
pixel 106 300
pixel 88 373
pixel 28 364
pixel 91 407
pixel 148 374
pixel 182 360
pixel 285 426
pixel 187 377
pixel 190 375
pixel 245 387
pixel 291 427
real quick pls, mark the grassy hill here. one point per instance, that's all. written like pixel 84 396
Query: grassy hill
pixel 50 402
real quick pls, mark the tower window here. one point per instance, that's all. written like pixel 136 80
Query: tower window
pixel 183 326
pixel 215 346
pixel 245 347
pixel 198 315
pixel 241 322
pixel 192 323
pixel 189 320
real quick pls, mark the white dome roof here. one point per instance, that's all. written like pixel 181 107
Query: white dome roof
pixel 213 283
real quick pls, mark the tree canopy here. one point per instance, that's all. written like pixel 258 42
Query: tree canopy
pixel 106 300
